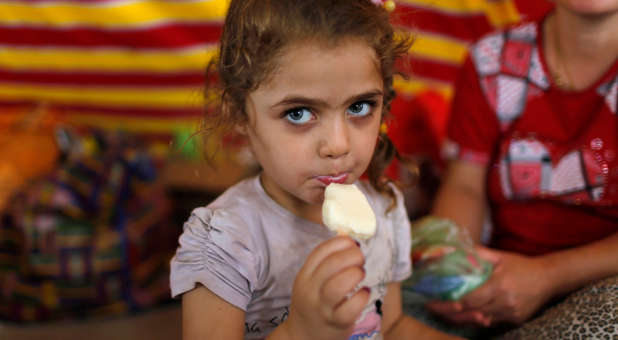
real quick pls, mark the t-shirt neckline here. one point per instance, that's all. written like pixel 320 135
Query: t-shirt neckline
pixel 302 223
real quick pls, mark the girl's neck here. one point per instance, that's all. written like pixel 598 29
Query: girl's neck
pixel 580 49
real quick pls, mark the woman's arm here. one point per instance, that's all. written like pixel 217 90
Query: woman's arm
pixel 207 316
pixel 462 196
pixel 573 268
pixel 397 326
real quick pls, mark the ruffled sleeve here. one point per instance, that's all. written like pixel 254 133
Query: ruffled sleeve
pixel 216 251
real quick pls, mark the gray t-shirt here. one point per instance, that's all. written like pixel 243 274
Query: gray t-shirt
pixel 247 249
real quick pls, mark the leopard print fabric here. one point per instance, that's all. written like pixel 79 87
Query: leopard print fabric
pixel 589 313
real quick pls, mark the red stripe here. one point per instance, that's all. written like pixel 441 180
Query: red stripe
pixel 430 69
pixel 175 35
pixel 104 79
pixel 466 27
pixel 108 111
pixel 532 10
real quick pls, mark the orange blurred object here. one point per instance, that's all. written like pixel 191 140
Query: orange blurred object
pixel 28 150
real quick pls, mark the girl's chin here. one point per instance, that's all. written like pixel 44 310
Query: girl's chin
pixel 316 197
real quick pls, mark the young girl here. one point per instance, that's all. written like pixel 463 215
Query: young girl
pixel 308 83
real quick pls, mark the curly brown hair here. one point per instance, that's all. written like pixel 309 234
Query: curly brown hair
pixel 255 34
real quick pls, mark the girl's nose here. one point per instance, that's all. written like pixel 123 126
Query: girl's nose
pixel 335 141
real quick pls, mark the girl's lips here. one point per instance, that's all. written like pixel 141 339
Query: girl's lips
pixel 340 179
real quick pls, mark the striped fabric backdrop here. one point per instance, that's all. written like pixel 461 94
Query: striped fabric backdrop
pixel 443 30
pixel 138 64
pixel 132 64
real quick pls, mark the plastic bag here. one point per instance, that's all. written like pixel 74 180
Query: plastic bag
pixel 444 259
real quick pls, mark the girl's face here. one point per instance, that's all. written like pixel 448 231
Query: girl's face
pixel 315 121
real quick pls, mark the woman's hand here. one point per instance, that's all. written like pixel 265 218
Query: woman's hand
pixel 517 288
pixel 321 306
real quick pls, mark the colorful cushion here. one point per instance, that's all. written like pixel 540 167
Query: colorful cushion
pixel 94 237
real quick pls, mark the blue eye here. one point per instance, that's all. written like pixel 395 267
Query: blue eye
pixel 299 115
pixel 360 109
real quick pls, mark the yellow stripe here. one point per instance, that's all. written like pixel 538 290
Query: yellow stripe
pixel 502 13
pixel 460 6
pixel 123 14
pixel 134 124
pixel 499 13
pixel 104 60
pixel 439 48
pixel 415 86
pixel 171 97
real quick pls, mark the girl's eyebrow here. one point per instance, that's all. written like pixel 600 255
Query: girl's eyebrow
pixel 292 100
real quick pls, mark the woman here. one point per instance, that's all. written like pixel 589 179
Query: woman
pixel 533 140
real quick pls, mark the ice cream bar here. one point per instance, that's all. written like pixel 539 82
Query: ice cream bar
pixel 346 211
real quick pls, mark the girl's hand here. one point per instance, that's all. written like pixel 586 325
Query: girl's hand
pixel 320 306
pixel 516 289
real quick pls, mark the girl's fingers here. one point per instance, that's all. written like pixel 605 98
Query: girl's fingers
pixel 323 250
pixel 337 262
pixel 337 288
pixel 348 311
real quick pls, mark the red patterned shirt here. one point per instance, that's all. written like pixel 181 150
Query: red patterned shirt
pixel 551 154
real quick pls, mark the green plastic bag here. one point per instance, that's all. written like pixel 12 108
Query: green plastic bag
pixel 445 263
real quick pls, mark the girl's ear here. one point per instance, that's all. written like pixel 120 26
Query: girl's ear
pixel 239 127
